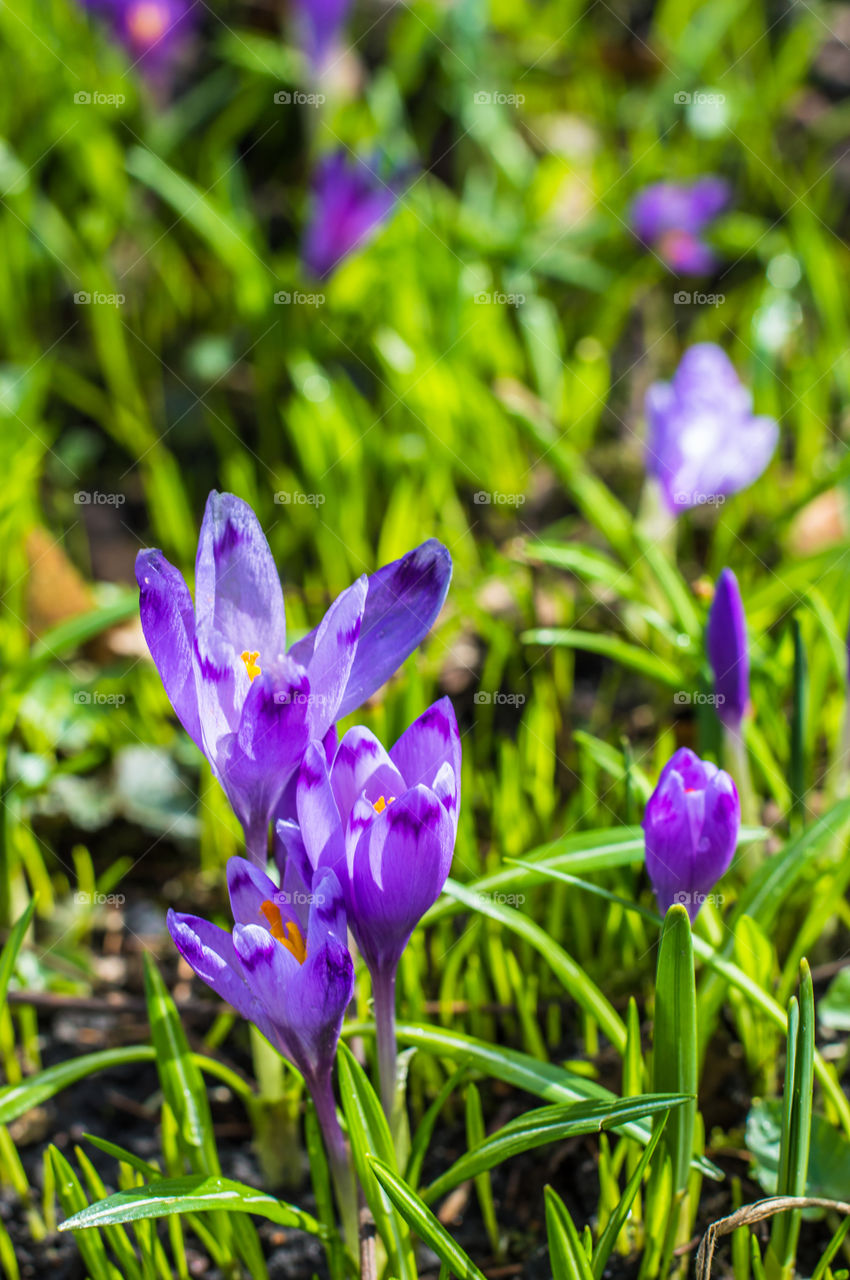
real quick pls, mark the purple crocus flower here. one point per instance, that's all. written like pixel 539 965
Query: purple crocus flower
pixel 350 200
pixel 704 440
pixel 668 217
pixel 249 705
pixel 385 823
pixel 286 968
pixel 154 32
pixel 691 828
pixel 320 23
pixel 726 645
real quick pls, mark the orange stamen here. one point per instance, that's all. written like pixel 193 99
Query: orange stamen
pixel 288 935
pixel 250 660
pixel 381 803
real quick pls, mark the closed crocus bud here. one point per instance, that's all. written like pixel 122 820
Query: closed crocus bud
pixel 350 201
pixel 726 645
pixel 154 32
pixel 704 441
pixel 691 829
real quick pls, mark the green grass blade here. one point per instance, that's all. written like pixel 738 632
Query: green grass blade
pixel 567 1256
pixel 419 1217
pixel 674 1054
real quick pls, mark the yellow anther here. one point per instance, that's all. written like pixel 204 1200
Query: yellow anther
pixel 250 660
pixel 381 803
pixel 147 21
pixel 289 935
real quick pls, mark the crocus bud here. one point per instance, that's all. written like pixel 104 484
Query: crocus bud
pixel 691 829
pixel 154 32
pixel 668 218
pixel 704 440
pixel 726 645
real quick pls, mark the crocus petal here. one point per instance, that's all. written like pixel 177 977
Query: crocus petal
pixel 334 652
pixel 669 850
pixel 402 602
pixel 726 645
pixel 248 887
pixel 169 626
pixel 430 742
pixel 259 758
pixel 209 950
pixel 316 1004
pixel 320 23
pixel 221 684
pixel 318 815
pixel 237 587
pixel 360 765
pixel 719 830
pixel 350 201
pixel 270 970
pixel 401 863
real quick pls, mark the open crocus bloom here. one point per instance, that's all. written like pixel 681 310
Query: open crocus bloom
pixel 249 705
pixel 386 823
pixel 704 440
pixel 726 645
pixel 691 828
pixel 670 216
pixel 286 965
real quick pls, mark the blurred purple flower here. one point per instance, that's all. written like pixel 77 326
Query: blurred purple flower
pixel 350 201
pixel 154 32
pixel 691 829
pixel 726 644
pixel 249 705
pixel 320 24
pixel 704 441
pixel 668 217
pixel 285 967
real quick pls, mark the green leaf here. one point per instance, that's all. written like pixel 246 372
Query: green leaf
pixel 66 637
pixel 834 1006
pixel 567 1256
pixel 73 1202
pixel 12 947
pixel 571 974
pixel 796 1124
pixel 419 1217
pixel 17 1098
pixel 548 1124
pixel 617 1221
pixel 674 1052
pixel 644 661
pixel 369 1134
pixel 190 1195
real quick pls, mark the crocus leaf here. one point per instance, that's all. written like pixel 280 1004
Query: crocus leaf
pixel 567 1256
pixel 12 947
pixel 549 1124
pixel 72 1200
pixel 615 1223
pixel 674 1050
pixel 189 1195
pixel 644 661
pixel 419 1217
pixel 369 1133
pixel 15 1099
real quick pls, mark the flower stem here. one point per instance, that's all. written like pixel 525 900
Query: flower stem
pixel 342 1173
pixel 257 844
pixel 383 987
pixel 740 770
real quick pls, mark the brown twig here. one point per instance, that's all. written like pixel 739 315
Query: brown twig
pixel 757 1212
pixel 368 1256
